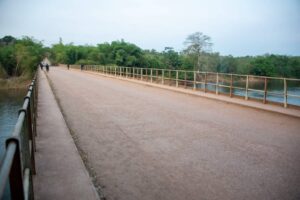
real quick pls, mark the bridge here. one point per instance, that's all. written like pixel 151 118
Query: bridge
pixel 100 135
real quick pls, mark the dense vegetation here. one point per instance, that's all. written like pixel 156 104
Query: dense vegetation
pixel 19 56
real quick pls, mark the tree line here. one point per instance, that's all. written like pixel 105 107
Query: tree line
pixel 18 56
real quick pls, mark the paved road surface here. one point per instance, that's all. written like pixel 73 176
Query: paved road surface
pixel 60 172
pixel 147 143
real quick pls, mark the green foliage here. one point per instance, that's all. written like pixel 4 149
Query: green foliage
pixel 275 65
pixel 20 56
pixel 171 58
pixel 2 72
pixel 197 46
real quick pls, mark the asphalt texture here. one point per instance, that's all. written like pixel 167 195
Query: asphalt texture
pixel 144 142
pixel 60 172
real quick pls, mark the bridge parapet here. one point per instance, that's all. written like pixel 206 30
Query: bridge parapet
pixel 275 90
pixel 18 164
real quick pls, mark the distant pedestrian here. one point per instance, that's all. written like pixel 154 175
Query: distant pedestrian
pixel 68 66
pixel 81 67
pixel 47 67
pixel 41 66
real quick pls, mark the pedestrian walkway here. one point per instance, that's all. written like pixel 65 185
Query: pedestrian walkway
pixel 61 173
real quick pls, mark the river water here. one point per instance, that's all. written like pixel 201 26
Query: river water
pixel 10 102
pixel 275 91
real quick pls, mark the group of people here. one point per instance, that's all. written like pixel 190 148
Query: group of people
pixel 44 65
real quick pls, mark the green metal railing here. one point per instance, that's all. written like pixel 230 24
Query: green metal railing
pixel 234 85
pixel 18 164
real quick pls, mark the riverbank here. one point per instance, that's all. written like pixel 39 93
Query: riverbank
pixel 21 82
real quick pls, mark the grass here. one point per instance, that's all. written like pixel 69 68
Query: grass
pixel 15 82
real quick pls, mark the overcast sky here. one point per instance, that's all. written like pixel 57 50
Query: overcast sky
pixel 237 27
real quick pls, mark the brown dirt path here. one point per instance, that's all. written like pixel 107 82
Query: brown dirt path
pixel 148 143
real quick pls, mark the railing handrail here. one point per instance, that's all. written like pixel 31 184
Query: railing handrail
pixel 206 79
pixel 192 71
pixel 18 164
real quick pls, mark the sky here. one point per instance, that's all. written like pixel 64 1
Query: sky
pixel 236 27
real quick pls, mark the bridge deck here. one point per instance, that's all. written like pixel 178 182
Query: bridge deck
pixel 61 174
pixel 143 142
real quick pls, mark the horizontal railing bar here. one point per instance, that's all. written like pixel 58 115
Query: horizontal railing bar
pixel 15 157
pixel 26 183
pixel 6 165
pixel 293 95
pixel 216 79
pixel 18 127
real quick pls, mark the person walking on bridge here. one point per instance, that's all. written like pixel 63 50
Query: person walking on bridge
pixel 47 67
pixel 41 66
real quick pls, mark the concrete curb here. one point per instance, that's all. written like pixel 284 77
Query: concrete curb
pixel 249 104
pixel 61 173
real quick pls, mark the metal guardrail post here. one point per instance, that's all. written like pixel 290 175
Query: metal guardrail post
pixel 176 78
pixel 217 84
pixel 247 86
pixel 147 78
pixel 18 163
pixel 15 174
pixel 133 73
pixel 285 92
pixel 30 136
pixel 185 79
pixel 194 83
pixel 231 83
pixel 265 91
pixel 205 82
pixel 170 77
pixel 162 76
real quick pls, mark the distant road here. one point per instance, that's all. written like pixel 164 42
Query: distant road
pixel 147 143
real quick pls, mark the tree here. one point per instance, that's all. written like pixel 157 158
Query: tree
pixel 171 58
pixel 7 40
pixel 227 64
pixel 20 56
pixel 197 44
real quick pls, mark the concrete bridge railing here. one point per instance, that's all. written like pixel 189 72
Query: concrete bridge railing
pixel 18 164
pixel 274 90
